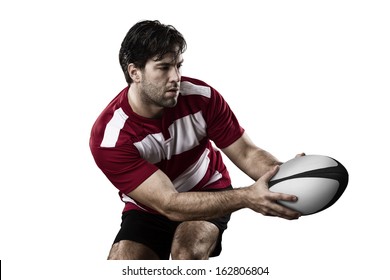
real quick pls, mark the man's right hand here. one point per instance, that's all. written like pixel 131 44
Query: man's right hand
pixel 264 201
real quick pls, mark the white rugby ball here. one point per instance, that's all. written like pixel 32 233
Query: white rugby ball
pixel 318 182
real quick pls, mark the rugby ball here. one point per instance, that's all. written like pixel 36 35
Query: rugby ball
pixel 318 182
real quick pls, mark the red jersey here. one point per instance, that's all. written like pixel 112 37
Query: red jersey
pixel 129 148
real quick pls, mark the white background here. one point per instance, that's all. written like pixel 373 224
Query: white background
pixel 308 76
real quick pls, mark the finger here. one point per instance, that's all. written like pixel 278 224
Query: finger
pixel 275 196
pixel 287 213
pixel 287 197
pixel 300 155
pixel 281 212
pixel 267 176
pixel 284 212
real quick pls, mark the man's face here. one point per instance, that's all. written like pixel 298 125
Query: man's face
pixel 161 81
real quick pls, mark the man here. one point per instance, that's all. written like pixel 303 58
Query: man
pixel 154 143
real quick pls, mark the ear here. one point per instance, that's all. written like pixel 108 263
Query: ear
pixel 134 73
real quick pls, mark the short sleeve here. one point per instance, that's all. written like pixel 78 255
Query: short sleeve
pixel 123 166
pixel 223 127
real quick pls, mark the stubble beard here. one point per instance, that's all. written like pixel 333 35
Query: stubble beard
pixel 155 96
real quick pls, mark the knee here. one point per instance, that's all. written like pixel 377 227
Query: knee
pixel 189 253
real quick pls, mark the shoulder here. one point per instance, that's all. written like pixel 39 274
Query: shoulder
pixel 192 86
pixel 105 131
pixel 193 81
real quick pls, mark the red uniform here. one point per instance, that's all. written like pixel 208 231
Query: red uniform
pixel 129 148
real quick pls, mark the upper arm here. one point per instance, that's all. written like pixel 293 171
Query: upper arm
pixel 135 177
pixel 223 127
pixel 155 192
pixel 123 166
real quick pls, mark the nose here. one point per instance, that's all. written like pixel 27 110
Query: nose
pixel 175 74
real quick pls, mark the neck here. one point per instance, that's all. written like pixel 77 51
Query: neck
pixel 142 107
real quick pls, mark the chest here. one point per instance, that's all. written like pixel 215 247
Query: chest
pixel 172 139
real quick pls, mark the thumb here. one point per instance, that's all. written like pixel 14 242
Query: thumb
pixel 271 173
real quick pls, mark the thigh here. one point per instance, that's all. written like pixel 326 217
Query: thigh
pixel 195 240
pixel 144 232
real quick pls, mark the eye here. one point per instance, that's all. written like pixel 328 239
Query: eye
pixel 163 66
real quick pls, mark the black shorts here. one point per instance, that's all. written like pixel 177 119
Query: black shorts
pixel 157 231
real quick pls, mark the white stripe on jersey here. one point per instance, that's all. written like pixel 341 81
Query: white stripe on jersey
pixel 126 198
pixel 187 88
pixel 113 128
pixel 192 176
pixel 185 134
pixel 216 176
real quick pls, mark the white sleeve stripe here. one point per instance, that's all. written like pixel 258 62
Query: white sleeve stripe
pixel 113 128
pixel 187 88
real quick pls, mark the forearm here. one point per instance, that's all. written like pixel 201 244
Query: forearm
pixel 205 205
pixel 257 162
pixel 208 205
pixel 158 193
pixel 252 160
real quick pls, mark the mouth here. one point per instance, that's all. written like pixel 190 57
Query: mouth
pixel 173 90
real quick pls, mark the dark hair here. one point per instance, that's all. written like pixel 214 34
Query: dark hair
pixel 148 39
